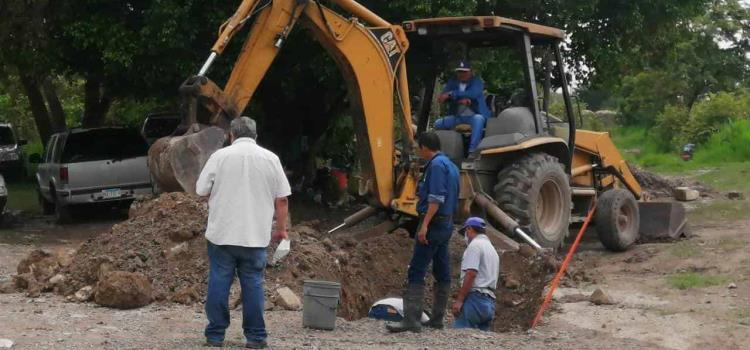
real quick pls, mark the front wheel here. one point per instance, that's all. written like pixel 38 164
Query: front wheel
pixel 617 219
pixel 535 191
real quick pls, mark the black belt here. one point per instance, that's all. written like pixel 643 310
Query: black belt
pixel 437 218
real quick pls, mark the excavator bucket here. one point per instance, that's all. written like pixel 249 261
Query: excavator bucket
pixel 175 162
pixel 662 220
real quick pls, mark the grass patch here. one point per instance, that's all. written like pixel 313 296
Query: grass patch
pixel 728 176
pixel 730 147
pixel 743 317
pixel 688 280
pixel 729 245
pixel 685 250
pixel 23 196
pixel 721 210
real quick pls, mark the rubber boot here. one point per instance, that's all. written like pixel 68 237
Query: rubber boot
pixel 413 299
pixel 439 303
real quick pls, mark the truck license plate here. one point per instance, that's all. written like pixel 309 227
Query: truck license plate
pixel 111 193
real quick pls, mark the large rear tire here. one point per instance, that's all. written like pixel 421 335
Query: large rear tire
pixel 535 191
pixel 617 219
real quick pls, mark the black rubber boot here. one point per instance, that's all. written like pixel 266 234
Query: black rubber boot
pixel 413 299
pixel 440 301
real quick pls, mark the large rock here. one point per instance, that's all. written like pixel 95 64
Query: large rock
pixel 123 290
pixel 600 298
pixel 40 264
pixel 686 194
pixel 286 298
pixel 84 294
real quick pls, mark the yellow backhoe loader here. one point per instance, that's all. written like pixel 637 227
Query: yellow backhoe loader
pixel 536 173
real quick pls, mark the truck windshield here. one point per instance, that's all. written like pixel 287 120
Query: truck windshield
pixel 6 136
pixel 103 144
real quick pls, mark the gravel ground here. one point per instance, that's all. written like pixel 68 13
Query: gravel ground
pixel 51 323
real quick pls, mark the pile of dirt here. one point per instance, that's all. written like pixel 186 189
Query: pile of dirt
pixel 375 268
pixel 657 186
pixel 163 242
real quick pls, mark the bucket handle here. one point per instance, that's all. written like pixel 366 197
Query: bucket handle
pixel 338 302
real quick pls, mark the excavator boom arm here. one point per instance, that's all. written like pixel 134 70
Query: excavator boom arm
pixel 369 55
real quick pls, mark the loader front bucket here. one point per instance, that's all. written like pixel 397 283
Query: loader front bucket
pixel 175 162
pixel 661 220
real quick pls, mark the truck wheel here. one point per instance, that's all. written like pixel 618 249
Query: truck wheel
pixel 617 219
pixel 63 213
pixel 47 207
pixel 535 191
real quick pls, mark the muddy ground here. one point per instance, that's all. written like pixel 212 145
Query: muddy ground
pixel 648 313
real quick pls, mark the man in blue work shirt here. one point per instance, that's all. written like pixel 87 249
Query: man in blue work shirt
pixel 465 95
pixel 438 199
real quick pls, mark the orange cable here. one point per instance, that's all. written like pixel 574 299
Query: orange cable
pixel 566 262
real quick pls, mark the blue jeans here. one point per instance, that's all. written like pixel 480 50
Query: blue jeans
pixel 477 312
pixel 438 235
pixel 476 122
pixel 249 265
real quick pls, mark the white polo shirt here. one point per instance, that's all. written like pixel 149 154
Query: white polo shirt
pixel 243 181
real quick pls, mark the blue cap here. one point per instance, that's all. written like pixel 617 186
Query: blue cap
pixel 475 222
pixel 464 66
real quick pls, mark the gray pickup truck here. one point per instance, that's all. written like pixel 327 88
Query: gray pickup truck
pixel 92 166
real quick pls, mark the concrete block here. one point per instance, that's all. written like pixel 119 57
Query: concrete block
pixel 686 194
pixel 286 298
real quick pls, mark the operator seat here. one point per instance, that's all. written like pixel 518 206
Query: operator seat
pixel 511 126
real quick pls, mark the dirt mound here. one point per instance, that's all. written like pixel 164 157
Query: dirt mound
pixel 376 268
pixel 658 186
pixel 158 241
pixel 163 243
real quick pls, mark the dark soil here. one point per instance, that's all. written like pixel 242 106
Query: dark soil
pixel 163 240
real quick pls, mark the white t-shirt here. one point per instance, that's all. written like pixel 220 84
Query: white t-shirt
pixel 243 181
pixel 482 257
pixel 462 86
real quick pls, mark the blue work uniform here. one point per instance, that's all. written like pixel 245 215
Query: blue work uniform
pixel 439 184
pixel 474 91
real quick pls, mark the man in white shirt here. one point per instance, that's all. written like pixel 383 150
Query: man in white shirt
pixel 248 189
pixel 474 306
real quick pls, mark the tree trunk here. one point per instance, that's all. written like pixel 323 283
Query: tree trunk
pixel 57 114
pixel 38 108
pixel 96 103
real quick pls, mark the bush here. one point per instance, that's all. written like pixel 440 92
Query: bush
pixel 710 114
pixel 669 127
pixel 730 144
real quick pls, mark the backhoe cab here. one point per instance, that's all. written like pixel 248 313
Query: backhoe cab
pixel 536 165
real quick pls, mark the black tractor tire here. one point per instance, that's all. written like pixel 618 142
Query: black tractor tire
pixel 617 219
pixel 535 191
pixel 47 207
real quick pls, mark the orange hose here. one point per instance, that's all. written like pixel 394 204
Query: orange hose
pixel 566 262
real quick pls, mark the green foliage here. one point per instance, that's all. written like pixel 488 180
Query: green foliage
pixel 23 196
pixel 715 111
pixel 670 125
pixel 132 112
pixel 688 280
pixel 730 144
pixel 644 96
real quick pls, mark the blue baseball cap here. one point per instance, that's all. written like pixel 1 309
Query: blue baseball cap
pixel 474 222
pixel 463 66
